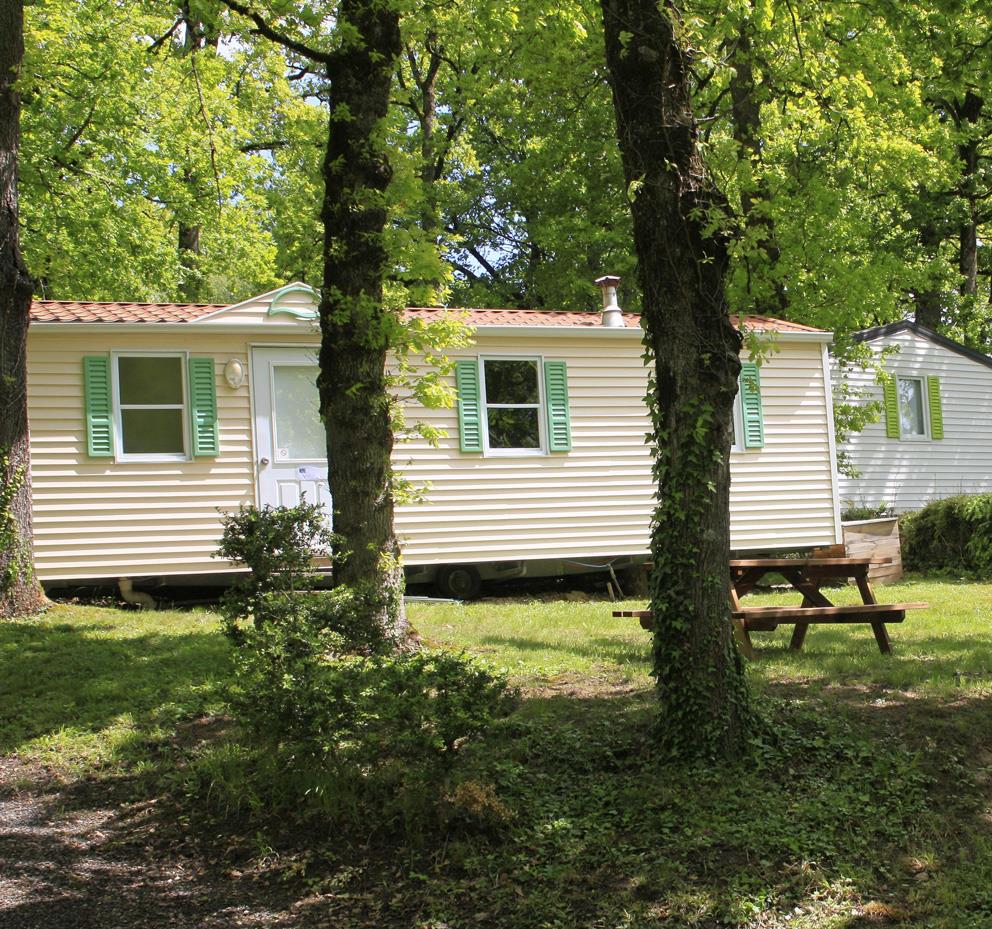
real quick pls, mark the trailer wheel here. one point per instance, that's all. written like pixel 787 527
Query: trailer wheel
pixel 459 581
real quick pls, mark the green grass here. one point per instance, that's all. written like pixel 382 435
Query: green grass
pixel 872 769
pixel 88 688
pixel 930 649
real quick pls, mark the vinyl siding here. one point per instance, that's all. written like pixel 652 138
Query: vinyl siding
pixel 907 474
pixel 97 518
pixel 597 499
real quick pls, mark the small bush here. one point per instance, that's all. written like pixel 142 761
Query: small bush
pixel 953 534
pixel 349 737
pixel 337 721
pixel 854 512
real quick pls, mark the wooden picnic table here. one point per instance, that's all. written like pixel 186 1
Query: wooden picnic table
pixel 807 576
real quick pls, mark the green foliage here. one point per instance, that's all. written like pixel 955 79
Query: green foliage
pixel 953 535
pixel 346 738
pixel 125 140
pixel 858 511
pixel 317 695
pixel 278 546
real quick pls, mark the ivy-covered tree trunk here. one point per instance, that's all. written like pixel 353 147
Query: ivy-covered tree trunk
pixel 19 594
pixel 702 690
pixel 356 326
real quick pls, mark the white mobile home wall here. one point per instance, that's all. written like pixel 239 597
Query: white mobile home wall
pixel 906 474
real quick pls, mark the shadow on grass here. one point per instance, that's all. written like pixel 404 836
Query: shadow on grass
pixel 59 678
pixel 831 654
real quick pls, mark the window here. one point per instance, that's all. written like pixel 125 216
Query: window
pixel 737 426
pixel 913 408
pixel 150 393
pixel 299 432
pixel 912 419
pixel 511 392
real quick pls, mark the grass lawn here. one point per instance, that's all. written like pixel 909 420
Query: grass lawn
pixel 867 800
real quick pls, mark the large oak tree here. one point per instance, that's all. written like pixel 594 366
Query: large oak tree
pixel 19 594
pixel 357 60
pixel 682 262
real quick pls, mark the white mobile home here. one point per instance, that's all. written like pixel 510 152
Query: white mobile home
pixel 932 440
pixel 149 421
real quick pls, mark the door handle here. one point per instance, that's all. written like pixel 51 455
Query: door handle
pixel 263 462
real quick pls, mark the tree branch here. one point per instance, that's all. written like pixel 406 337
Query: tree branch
pixel 274 35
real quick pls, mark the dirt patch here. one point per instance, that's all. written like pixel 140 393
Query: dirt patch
pixel 73 855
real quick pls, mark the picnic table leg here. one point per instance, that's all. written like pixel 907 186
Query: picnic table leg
pixel 798 636
pixel 812 596
pixel 868 596
pixel 743 638
pixel 882 637
pixel 740 628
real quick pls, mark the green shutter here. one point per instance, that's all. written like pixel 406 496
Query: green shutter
pixel 754 421
pixel 556 400
pixel 891 403
pixel 936 410
pixel 469 405
pixel 99 406
pixel 203 406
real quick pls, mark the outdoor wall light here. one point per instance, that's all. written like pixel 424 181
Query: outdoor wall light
pixel 234 373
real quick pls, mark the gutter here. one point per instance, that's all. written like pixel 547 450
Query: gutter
pixel 269 328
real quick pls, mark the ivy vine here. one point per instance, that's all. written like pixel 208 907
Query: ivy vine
pixel 14 564
pixel 680 536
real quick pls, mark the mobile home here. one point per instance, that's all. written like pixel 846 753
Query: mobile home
pixel 148 421
pixel 932 439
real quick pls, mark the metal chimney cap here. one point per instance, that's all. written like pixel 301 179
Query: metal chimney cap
pixel 612 314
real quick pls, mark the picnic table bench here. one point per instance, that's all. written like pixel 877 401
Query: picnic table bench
pixel 806 576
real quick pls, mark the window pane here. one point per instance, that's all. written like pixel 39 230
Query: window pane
pixel 152 432
pixel 514 429
pixel 151 380
pixel 298 429
pixel 511 382
pixel 911 407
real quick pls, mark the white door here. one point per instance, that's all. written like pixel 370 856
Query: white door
pixel 291 455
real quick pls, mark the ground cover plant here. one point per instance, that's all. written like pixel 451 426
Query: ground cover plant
pixel 864 799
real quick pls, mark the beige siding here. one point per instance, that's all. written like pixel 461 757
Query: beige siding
pixel 597 499
pixel 95 518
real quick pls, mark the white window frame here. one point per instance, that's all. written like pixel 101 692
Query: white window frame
pixel 538 361
pixel 738 444
pixel 118 409
pixel 924 403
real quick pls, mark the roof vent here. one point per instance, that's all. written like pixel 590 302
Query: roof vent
pixel 612 314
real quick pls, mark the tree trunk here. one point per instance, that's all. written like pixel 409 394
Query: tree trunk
pixel 189 255
pixel 929 304
pixel 766 291
pixel 704 703
pixel 19 593
pixel 967 115
pixel 356 326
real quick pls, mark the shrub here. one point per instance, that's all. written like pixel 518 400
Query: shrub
pixel 349 737
pixel 337 722
pixel 279 546
pixel 854 512
pixel 953 534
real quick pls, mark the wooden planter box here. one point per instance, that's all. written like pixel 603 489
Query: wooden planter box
pixel 877 539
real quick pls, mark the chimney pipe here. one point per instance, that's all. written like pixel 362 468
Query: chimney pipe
pixel 612 314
